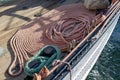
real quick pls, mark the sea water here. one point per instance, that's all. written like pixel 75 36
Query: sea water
pixel 108 65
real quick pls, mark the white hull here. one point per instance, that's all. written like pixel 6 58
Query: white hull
pixel 82 69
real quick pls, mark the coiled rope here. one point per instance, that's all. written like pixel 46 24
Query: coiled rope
pixel 110 14
pixel 58 27
pixel 62 34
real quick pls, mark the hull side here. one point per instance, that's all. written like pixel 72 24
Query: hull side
pixel 82 69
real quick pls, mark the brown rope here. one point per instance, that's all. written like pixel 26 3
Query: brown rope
pixel 57 27
pixel 107 17
pixel 62 34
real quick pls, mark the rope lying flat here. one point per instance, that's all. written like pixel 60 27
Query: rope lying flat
pixel 58 27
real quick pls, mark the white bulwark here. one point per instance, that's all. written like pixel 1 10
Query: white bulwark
pixel 82 69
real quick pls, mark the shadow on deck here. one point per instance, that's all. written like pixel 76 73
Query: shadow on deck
pixel 22 5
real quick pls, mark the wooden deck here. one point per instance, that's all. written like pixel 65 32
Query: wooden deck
pixel 15 14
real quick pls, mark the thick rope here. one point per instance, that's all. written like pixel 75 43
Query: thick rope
pixel 62 34
pixel 108 17
pixel 58 27
pixel 61 62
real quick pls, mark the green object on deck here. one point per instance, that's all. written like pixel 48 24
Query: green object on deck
pixel 44 57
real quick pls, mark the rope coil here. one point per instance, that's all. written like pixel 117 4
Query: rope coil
pixel 57 30
pixel 62 34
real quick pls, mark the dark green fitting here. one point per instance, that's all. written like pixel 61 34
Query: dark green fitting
pixel 44 57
